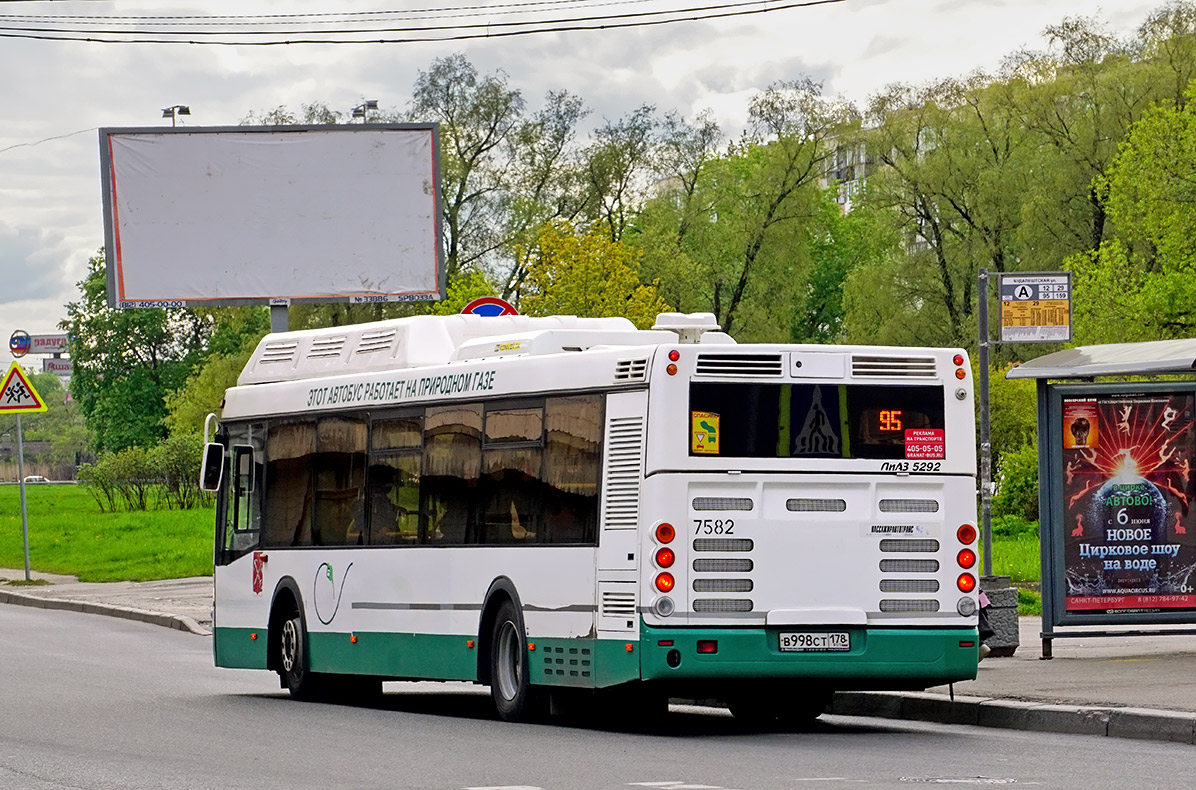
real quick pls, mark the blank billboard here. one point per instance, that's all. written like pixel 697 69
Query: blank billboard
pixel 254 215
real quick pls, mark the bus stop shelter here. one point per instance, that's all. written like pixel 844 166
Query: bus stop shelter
pixel 1117 484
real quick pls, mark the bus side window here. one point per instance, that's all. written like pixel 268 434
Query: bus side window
pixel 572 468
pixel 396 453
pixel 289 451
pixel 339 478
pixel 452 465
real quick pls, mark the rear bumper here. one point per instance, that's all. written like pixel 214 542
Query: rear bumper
pixel 879 658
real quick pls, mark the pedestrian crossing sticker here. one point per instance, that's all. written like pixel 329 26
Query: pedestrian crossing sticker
pixel 17 395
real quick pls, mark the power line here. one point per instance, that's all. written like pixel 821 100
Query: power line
pixel 312 15
pixel 434 14
pixel 47 139
pixel 639 19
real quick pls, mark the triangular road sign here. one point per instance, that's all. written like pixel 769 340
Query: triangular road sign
pixel 17 395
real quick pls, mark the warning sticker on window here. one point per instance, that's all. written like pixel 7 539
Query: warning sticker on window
pixel 703 436
pixel 921 443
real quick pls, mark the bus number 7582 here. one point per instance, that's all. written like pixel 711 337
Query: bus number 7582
pixel 713 526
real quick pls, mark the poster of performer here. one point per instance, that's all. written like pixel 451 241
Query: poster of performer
pixel 1129 528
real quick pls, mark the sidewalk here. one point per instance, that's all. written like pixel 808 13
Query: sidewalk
pixel 1131 687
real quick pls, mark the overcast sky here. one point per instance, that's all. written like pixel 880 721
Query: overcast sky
pixel 50 208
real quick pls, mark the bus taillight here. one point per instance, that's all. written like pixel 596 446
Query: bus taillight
pixel 674 355
pixel 665 582
pixel 665 533
pixel 966 534
pixel 966 558
pixel 665 557
pixel 966 582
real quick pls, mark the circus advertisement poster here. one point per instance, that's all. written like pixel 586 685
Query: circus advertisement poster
pixel 1129 531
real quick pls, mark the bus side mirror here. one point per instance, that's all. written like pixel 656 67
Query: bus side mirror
pixel 212 469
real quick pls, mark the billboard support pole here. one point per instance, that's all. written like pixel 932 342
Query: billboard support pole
pixel 279 318
pixel 986 474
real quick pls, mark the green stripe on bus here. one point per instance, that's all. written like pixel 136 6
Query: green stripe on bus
pixel 929 656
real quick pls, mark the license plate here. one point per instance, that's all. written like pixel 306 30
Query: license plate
pixel 811 642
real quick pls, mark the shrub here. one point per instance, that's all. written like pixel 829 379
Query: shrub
pixel 1017 484
pixel 175 465
pixel 97 479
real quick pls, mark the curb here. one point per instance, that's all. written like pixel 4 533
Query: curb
pixel 178 622
pixel 1140 723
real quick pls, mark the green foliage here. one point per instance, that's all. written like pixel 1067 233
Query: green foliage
pixel 1013 411
pixel 68 535
pixel 587 275
pixel 1019 558
pixel 1012 526
pixel 1017 484
pixel 126 361
pixel 164 475
pixel 1029 603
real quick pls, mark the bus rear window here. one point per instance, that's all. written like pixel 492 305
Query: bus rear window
pixel 739 420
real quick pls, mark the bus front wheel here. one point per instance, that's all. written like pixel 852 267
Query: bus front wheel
pixel 293 663
pixel 515 698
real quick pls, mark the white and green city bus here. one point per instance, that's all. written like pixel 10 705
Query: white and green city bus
pixel 544 504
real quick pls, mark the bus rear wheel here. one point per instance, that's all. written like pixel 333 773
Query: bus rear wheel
pixel 515 698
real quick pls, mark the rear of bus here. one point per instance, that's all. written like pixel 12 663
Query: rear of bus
pixel 807 514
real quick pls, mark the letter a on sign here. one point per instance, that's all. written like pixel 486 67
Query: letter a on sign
pixel 17 395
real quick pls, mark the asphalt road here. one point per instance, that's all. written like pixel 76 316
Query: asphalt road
pixel 98 702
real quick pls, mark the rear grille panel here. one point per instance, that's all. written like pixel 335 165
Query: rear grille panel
pixel 902 545
pixel 909 566
pixel 724 544
pixel 722 605
pixel 724 565
pixel 911 605
pixel 816 505
pixel 744 365
pixel 909 506
pixel 921 367
pixel 722 503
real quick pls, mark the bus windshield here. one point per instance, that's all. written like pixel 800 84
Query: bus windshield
pixel 818 420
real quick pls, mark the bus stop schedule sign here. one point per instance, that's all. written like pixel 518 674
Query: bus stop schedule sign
pixel 1035 308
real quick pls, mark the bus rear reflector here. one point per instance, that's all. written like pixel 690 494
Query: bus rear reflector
pixel 665 557
pixel 966 582
pixel 665 582
pixel 966 534
pixel 665 533
pixel 707 645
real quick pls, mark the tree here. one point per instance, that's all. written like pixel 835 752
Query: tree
pixel 127 361
pixel 588 275
pixel 479 117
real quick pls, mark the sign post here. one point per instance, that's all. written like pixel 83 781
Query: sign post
pixel 17 396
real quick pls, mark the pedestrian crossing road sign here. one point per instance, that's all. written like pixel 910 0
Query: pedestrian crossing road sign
pixel 17 395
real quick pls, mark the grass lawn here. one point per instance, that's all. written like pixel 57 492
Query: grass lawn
pixel 68 534
pixel 1018 558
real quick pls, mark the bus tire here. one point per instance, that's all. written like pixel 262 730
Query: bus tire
pixel 293 664
pixel 515 698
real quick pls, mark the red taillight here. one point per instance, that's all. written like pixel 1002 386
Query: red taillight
pixel 966 534
pixel 674 355
pixel 665 582
pixel 957 359
pixel 666 557
pixel 966 558
pixel 966 582
pixel 665 533
pixel 707 646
